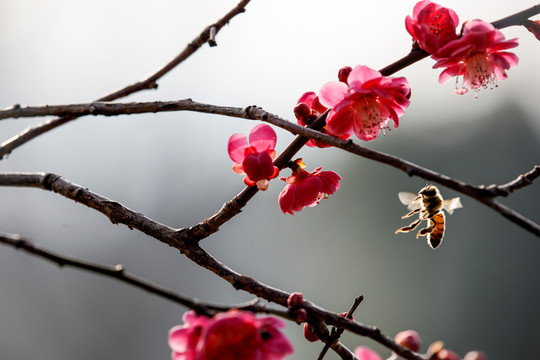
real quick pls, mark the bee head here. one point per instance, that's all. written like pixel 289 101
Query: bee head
pixel 429 191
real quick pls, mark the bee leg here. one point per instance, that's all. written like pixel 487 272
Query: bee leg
pixel 412 226
pixel 410 214
pixel 427 230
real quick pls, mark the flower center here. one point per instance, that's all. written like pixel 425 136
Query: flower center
pixel 372 115
pixel 479 73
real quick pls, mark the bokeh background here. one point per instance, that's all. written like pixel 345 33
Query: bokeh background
pixel 479 290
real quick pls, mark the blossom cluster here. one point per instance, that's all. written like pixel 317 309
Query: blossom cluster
pixel 361 103
pixel 254 159
pixel 478 55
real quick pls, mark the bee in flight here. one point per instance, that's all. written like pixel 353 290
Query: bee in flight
pixel 429 205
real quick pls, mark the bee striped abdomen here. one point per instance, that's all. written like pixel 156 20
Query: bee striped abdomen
pixel 435 237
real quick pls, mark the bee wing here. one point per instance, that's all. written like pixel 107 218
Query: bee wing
pixel 435 238
pixel 412 201
pixel 452 204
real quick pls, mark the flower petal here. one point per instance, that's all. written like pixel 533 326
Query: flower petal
pixel 236 147
pixel 332 93
pixel 286 199
pixel 362 74
pixel 263 138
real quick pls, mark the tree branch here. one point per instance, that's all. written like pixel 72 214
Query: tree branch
pixel 118 272
pixel 208 35
pixel 336 333
pixel 119 214
pixel 149 83
pixel 481 193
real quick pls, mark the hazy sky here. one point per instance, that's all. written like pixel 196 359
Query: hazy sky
pixel 174 168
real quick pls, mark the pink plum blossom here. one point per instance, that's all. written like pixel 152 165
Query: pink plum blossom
pixel 254 159
pixel 432 26
pixel 307 189
pixel 478 56
pixel 365 353
pixel 229 336
pixel 365 104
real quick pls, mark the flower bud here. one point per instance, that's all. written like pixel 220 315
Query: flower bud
pixel 309 333
pixel 295 300
pixel 302 112
pixel 409 339
pixel 343 74
pixel 301 315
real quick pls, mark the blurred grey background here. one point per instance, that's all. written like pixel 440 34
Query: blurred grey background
pixel 479 290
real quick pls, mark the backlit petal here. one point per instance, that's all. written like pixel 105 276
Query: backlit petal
pixel 236 147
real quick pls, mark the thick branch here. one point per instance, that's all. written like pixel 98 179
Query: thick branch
pixel 233 207
pixel 148 83
pixel 119 214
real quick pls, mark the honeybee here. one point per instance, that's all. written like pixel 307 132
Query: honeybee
pixel 429 205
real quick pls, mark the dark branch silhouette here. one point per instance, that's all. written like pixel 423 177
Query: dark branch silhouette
pixel 119 214
pixel 208 34
pixel 186 239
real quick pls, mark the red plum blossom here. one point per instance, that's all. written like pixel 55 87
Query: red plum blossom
pixel 229 336
pixel 478 56
pixel 432 26
pixel 307 189
pixel 365 104
pixel 254 159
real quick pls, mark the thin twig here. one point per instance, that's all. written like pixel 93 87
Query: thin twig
pixel 520 182
pixel 336 333
pixel 118 272
pixel 149 83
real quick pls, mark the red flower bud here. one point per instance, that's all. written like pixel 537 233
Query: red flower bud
pixel 343 74
pixel 409 339
pixel 295 300
pixel 309 333
pixel 301 315
pixel 302 112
